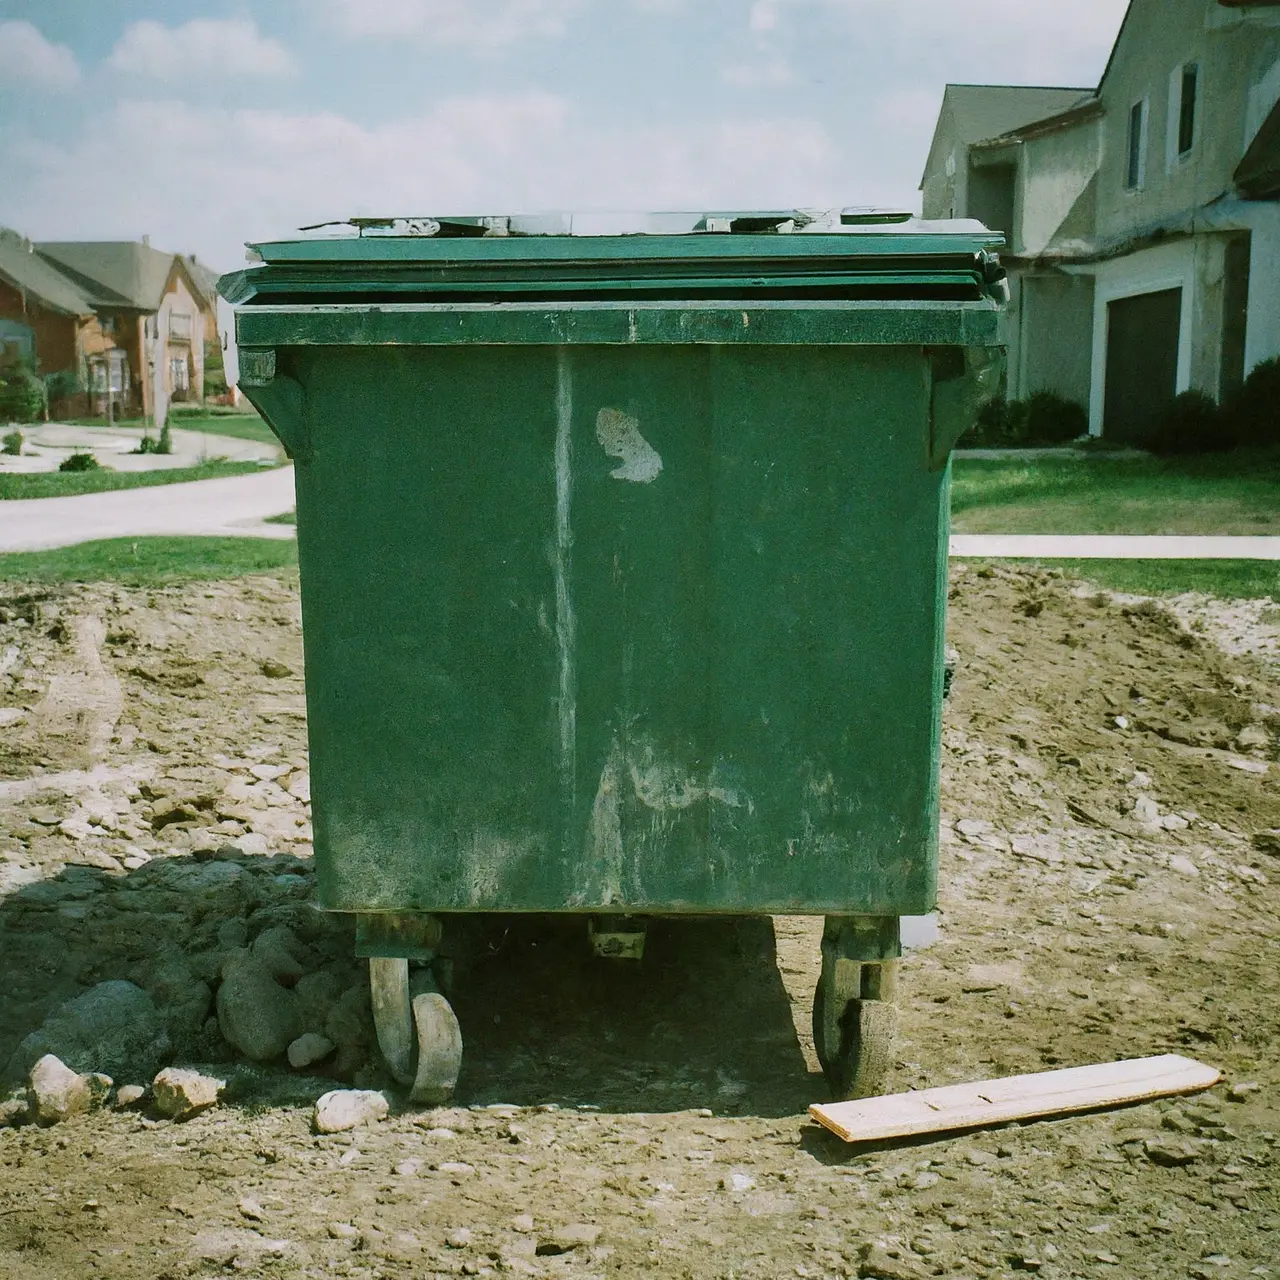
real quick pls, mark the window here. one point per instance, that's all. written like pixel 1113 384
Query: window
pixel 180 325
pixel 1137 158
pixel 1187 108
pixel 179 374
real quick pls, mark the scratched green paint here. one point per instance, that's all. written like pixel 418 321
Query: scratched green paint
pixel 535 684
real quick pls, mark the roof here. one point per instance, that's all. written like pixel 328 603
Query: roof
pixel 27 271
pixel 1089 109
pixel 204 278
pixel 980 111
pixel 113 273
pixel 1258 173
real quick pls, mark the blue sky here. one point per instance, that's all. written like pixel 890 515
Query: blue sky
pixel 207 124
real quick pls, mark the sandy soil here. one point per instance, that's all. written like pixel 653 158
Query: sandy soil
pixel 1108 890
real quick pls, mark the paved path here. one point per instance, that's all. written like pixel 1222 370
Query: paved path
pixel 1089 546
pixel 231 507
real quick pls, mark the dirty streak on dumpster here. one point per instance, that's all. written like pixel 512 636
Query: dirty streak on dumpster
pixel 565 625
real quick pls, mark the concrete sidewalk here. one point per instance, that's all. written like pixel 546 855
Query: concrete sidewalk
pixel 1089 546
pixel 231 507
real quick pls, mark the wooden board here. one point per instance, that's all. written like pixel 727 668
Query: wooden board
pixel 984 1102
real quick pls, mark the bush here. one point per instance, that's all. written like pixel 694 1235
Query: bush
pixel 1254 410
pixel 79 462
pixel 165 443
pixel 1053 419
pixel 1044 419
pixel 21 396
pixel 12 444
pixel 1191 423
pixel 64 383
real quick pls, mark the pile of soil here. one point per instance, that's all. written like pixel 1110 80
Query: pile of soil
pixel 1108 876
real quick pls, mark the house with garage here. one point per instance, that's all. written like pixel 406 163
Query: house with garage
pixel 1142 218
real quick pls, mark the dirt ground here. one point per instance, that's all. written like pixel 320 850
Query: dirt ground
pixel 1109 889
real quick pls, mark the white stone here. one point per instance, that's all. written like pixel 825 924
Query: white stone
pixel 57 1092
pixel 179 1091
pixel 343 1109
pixel 309 1048
pixel 1183 865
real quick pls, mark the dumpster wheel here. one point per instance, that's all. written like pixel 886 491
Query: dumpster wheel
pixel 854 1020
pixel 418 1034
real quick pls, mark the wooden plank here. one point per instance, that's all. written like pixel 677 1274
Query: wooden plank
pixel 986 1102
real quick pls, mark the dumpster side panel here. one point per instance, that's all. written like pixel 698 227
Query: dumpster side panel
pixel 759 592
pixel 426 538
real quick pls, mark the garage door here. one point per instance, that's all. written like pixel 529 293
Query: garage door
pixel 1142 361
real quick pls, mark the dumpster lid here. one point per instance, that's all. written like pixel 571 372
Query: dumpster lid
pixel 562 258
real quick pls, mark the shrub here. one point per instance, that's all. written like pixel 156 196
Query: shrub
pixel 1191 423
pixel 1053 419
pixel 64 383
pixel 79 462
pixel 1254 409
pixel 21 396
pixel 1046 418
pixel 12 444
pixel 165 443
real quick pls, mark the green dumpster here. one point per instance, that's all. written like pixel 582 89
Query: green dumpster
pixel 623 552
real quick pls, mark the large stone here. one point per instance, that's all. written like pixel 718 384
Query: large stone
pixel 309 1049
pixel 181 996
pixel 57 1092
pixel 180 1092
pixel 350 1021
pixel 343 1109
pixel 257 1015
pixel 113 1027
pixel 278 950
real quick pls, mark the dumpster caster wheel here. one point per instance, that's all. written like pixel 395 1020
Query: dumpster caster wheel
pixel 418 1034
pixel 854 1019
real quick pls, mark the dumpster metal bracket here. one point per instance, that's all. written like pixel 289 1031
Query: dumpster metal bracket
pixel 962 379
pixel 402 935
pixel 279 398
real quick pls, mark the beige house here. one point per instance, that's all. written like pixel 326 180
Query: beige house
pixel 1142 218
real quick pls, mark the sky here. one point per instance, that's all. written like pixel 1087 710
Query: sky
pixel 208 125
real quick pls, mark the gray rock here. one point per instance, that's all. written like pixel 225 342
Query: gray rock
pixel 577 1235
pixel 182 998
pixel 129 1095
pixel 257 1015
pixel 1243 1089
pixel 350 1021
pixel 318 993
pixel 1171 1155
pixel 876 1263
pixel 57 1092
pixel 343 1109
pixel 239 1247
pixel 458 1238
pixel 114 1027
pixel 15 1110
pixel 180 1092
pixel 278 949
pixel 309 1048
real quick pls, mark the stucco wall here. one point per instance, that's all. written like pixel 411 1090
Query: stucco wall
pixel 1057 310
pixel 1235 51
pixel 1054 178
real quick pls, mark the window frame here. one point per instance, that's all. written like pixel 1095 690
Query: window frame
pixel 1135 160
pixel 1189 70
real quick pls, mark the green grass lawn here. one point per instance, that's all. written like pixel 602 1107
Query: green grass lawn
pixel 66 484
pixel 1216 494
pixel 289 517
pixel 151 560
pixel 1226 579
pixel 239 426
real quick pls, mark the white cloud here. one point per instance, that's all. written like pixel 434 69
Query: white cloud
pixel 478 23
pixel 203 46
pixel 485 154
pixel 764 15
pixel 27 58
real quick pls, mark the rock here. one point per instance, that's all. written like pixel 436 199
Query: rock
pixel 1145 809
pixel 309 1048
pixel 257 1015
pixel 1183 865
pixel 738 1182
pixel 318 993
pixel 1243 1089
pixel 254 844
pixel 100 1087
pixel 343 1230
pixel 1171 1155
pixel 129 1095
pixel 183 999
pixel 276 670
pixel 459 1238
pixel 876 1263
pixel 57 1092
pixel 113 1027
pixel 576 1235
pixel 410 1168
pixel 350 1021
pixel 15 1110
pixel 1253 737
pixel 343 1109
pixel 277 949
pixel 457 1168
pixel 180 1092
pixel 251 1209
pixel 523 1223
pixel 1268 842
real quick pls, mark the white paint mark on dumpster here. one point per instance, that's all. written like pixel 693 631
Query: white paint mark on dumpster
pixel 565 623
pixel 619 436
pixel 604 834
